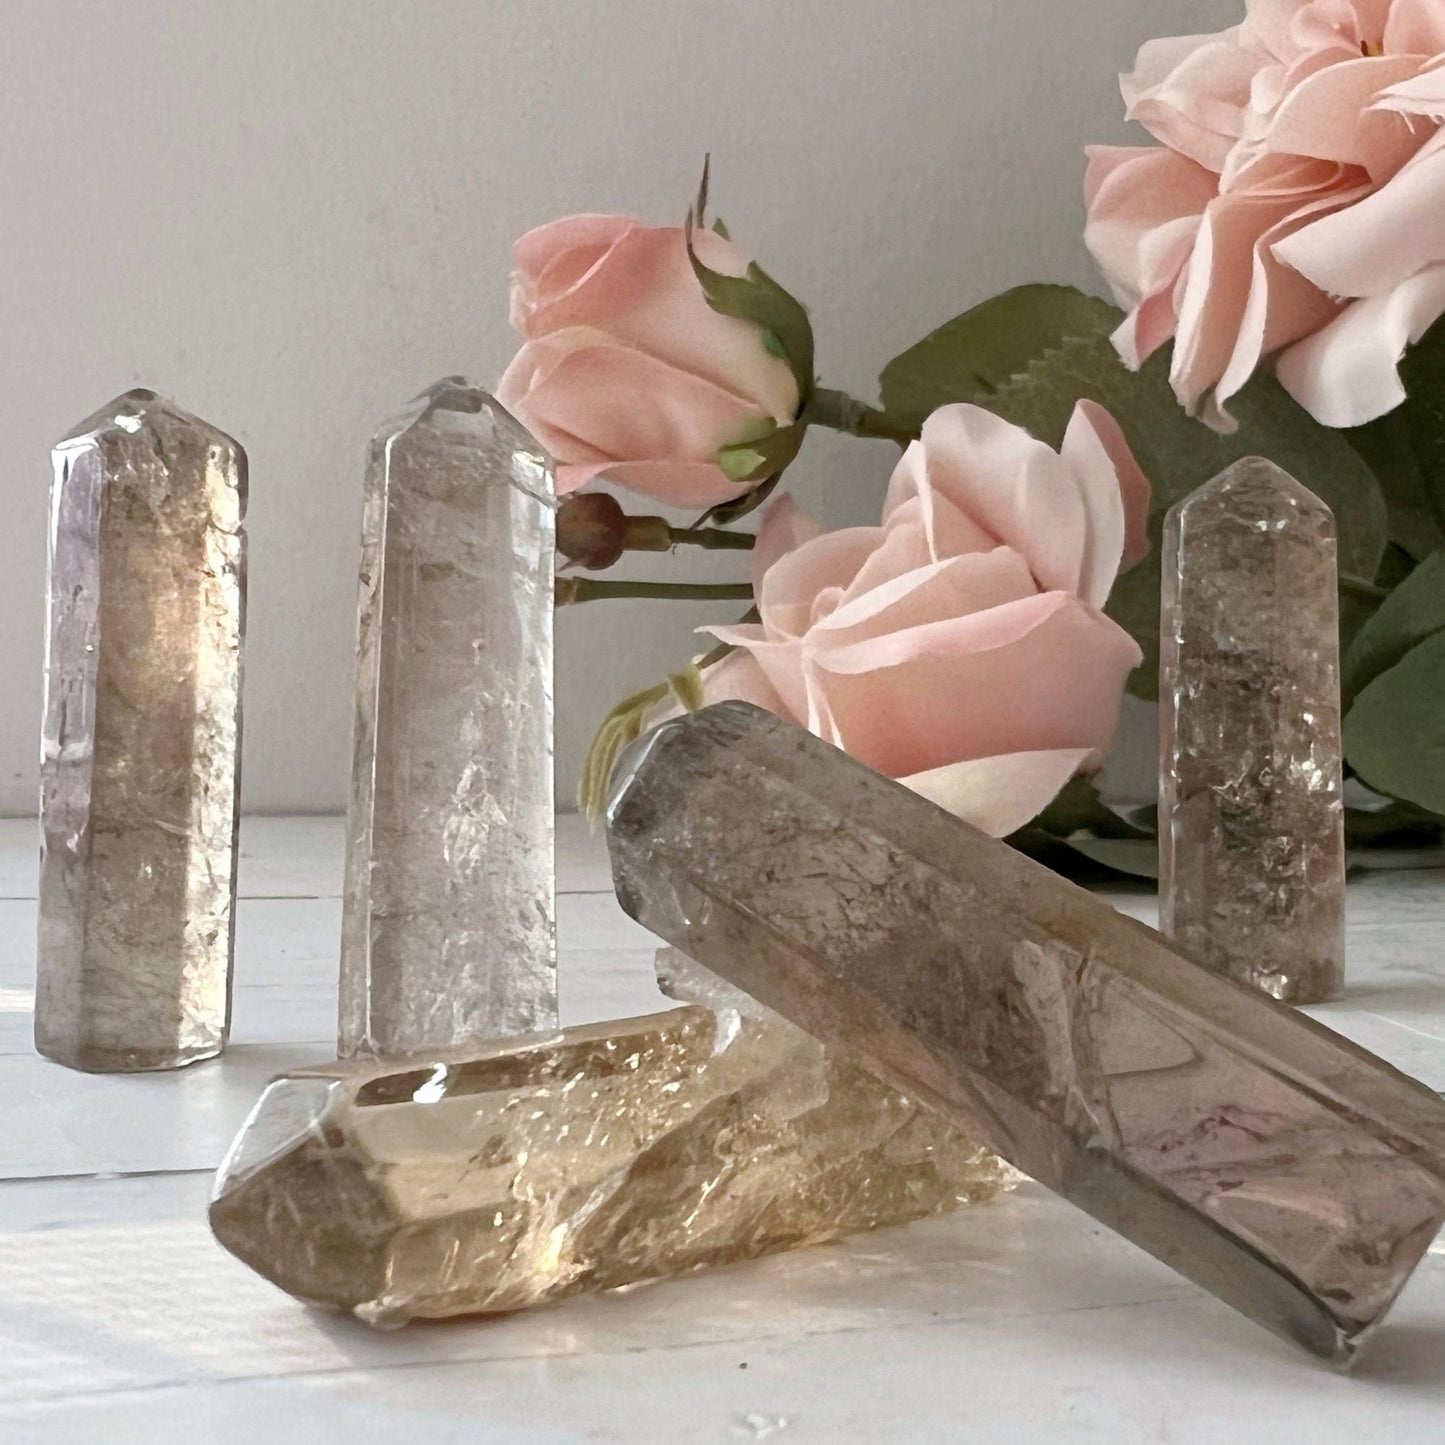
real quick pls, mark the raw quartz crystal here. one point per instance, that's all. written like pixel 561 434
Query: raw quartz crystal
pixel 449 934
pixel 1252 848
pixel 601 1156
pixel 1296 1176
pixel 141 740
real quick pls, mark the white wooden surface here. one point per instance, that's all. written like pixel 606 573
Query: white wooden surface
pixel 122 1321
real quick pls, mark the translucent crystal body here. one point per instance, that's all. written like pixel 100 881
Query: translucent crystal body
pixel 449 923
pixel 141 740
pixel 1293 1174
pixel 1252 849
pixel 602 1156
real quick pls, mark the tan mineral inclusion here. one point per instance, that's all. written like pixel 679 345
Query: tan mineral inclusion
pixel 1252 847
pixel 141 741
pixel 606 1155
pixel 448 935
pixel 1293 1174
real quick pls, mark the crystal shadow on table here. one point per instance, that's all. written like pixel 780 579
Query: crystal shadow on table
pixel 1294 1175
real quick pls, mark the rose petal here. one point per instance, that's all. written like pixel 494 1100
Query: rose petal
pixel 1040 674
pixel 691 486
pixel 1381 240
pixel 1415 27
pixel 976 583
pixel 1328 116
pixel 557 255
pixel 1190 91
pixel 738 676
pixel 791 587
pixel 1015 487
pixel 779 663
pixel 1282 305
pixel 947 530
pixel 1145 205
pixel 1128 477
pixel 1222 274
pixel 1000 794
pixel 1094 473
pixel 1347 373
pixel 643 420
pixel 643 292
pixel 785 527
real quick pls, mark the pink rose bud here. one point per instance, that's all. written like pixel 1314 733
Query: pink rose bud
pixel 627 371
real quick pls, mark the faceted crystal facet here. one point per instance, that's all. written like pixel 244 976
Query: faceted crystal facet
pixel 603 1156
pixel 141 743
pixel 1296 1176
pixel 449 936
pixel 1252 849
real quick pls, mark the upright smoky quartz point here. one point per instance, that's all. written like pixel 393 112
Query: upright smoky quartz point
pixel 1252 849
pixel 1293 1174
pixel 448 934
pixel 141 740
pixel 529 1169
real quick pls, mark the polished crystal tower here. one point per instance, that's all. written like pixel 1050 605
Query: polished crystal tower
pixel 1251 821
pixel 141 742
pixel 606 1155
pixel 1293 1174
pixel 448 935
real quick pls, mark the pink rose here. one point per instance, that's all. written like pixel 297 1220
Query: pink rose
pixel 958 646
pixel 1295 213
pixel 627 370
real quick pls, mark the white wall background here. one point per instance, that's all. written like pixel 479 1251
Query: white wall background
pixel 291 215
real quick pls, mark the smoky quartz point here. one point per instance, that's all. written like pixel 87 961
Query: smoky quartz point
pixel 448 933
pixel 1252 848
pixel 1294 1175
pixel 141 740
pixel 605 1155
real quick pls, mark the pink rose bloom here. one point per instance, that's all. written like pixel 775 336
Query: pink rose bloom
pixel 1295 212
pixel 626 370
pixel 958 646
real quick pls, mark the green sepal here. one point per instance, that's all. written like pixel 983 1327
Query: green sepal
pixel 724 514
pixel 756 298
pixel 752 459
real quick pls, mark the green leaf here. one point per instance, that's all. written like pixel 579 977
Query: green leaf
pixel 1138 857
pixel 1078 808
pixel 1406 448
pixel 1414 611
pixel 1395 731
pixel 970 357
pixel 1392 828
pixel 1386 446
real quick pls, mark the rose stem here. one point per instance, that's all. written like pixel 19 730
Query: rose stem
pixel 569 590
